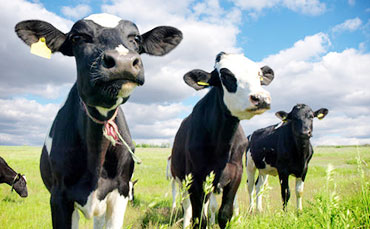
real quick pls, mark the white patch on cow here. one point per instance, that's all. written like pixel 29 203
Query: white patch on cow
pixel 126 89
pixel 122 50
pixel 130 191
pixel 48 140
pixel 188 212
pixel 93 206
pixel 262 180
pixel 75 219
pixel 116 208
pixel 251 170
pixel 213 208
pixel 236 205
pixel 299 185
pixel 104 111
pixel 279 125
pixel 247 74
pixel 105 20
pixel 99 221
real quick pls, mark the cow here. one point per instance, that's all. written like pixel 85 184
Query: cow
pixel 87 159
pixel 211 136
pixel 16 180
pixel 283 149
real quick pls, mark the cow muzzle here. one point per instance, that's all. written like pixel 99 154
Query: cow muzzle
pixel 260 102
pixel 123 66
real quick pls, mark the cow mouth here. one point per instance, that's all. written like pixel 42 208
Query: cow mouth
pixel 259 109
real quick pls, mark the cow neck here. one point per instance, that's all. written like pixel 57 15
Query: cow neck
pixel 300 145
pixel 9 175
pixel 219 122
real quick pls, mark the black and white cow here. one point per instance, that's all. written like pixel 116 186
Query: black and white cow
pixel 84 162
pixel 283 149
pixel 205 139
pixel 12 178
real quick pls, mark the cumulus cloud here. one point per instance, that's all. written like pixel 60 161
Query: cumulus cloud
pixel 76 12
pixel 349 25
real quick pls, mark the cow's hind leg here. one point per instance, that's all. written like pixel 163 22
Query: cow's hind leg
pixel 188 211
pixel 251 170
pixel 285 192
pixel 261 181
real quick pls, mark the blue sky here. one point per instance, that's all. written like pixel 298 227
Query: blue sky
pixel 320 52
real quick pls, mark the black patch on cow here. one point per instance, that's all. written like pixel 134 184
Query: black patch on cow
pixel 228 80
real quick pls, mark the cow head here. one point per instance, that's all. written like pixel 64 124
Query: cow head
pixel 20 185
pixel 107 51
pixel 240 80
pixel 301 118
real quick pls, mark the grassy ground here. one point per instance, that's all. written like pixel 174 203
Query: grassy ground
pixel 339 199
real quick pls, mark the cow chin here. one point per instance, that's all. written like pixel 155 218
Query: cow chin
pixel 248 113
pixel 126 89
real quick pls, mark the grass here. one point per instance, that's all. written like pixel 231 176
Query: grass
pixel 338 198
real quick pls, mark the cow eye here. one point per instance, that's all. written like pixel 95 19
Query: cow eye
pixel 81 37
pixel 138 39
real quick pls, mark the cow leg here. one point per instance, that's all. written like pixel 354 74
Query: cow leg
pixel 61 209
pixel 196 198
pixel 285 192
pixel 299 184
pixel 186 204
pixel 212 208
pixel 174 193
pixel 116 208
pixel 75 219
pixel 236 205
pixel 251 170
pixel 99 221
pixel 226 210
pixel 261 181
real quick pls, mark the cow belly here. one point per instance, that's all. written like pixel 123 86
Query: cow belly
pixel 268 170
pixel 93 206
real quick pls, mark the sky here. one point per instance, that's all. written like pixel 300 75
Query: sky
pixel 319 51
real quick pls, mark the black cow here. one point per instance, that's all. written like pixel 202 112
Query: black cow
pixel 87 160
pixel 205 139
pixel 283 149
pixel 12 178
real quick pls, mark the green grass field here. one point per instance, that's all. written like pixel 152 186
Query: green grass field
pixel 338 200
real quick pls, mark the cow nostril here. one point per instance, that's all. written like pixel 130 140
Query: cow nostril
pixel 255 99
pixel 108 61
pixel 136 63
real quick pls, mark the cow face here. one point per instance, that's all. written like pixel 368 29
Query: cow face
pixel 106 49
pixel 240 80
pixel 20 185
pixel 301 118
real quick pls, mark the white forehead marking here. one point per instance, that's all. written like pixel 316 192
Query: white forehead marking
pixel 122 51
pixel 105 20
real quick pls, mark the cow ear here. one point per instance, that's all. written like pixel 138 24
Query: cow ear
pixel 199 79
pixel 160 40
pixel 321 113
pixel 134 182
pixel 267 75
pixel 282 115
pixel 31 31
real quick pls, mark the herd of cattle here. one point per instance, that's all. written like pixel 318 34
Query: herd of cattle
pixel 87 160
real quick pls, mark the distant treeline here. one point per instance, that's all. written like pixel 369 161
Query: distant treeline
pixel 145 145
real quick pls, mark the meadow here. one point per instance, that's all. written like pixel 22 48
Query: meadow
pixel 336 193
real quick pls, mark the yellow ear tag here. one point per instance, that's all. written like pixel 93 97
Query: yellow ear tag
pixel 320 116
pixel 40 49
pixel 200 83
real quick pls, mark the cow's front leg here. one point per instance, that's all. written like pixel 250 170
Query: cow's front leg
pixel 116 208
pixel 285 192
pixel 61 209
pixel 196 199
pixel 251 170
pixel 261 182
pixel 299 184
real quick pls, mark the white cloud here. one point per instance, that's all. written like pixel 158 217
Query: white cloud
pixel 309 7
pixel 24 122
pixel 76 12
pixel 351 2
pixel 349 25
